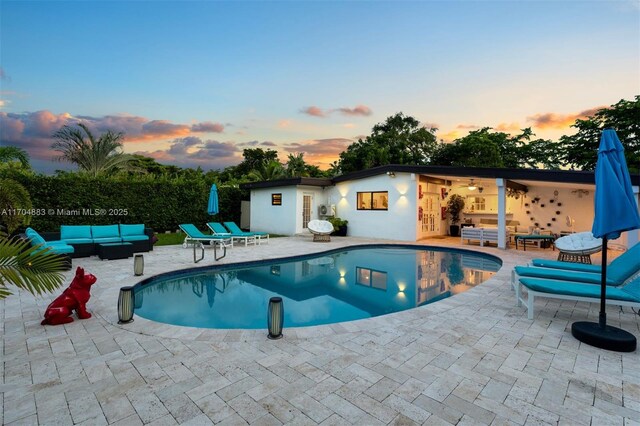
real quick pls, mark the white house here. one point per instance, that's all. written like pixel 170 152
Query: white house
pixel 408 203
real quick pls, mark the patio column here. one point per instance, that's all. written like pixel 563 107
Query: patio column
pixel 502 213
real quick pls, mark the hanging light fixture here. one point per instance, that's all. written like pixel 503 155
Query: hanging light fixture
pixel 472 186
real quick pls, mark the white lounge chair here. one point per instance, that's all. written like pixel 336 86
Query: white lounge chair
pixel 578 247
pixel 321 230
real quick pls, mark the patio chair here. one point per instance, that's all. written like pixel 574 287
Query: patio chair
pixel 619 271
pixel 197 238
pixel 220 230
pixel 625 295
pixel 628 256
pixel 578 247
pixel 259 236
pixel 321 230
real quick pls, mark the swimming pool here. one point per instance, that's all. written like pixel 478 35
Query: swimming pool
pixel 335 286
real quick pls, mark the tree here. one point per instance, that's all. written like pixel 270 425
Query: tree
pixel 254 159
pixel 14 205
pixel 477 149
pixel 296 166
pixel 95 156
pixel 399 140
pixel 271 171
pixel 580 151
pixel 13 154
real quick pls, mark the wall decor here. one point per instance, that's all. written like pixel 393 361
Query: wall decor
pixel 536 224
pixel 549 225
pixel 557 211
pixel 532 218
pixel 526 204
pixel 551 201
pixel 528 212
pixel 553 219
pixel 541 205
pixel 559 204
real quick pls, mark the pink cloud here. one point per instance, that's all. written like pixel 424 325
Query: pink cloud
pixel 320 152
pixel 33 131
pixel 193 152
pixel 207 127
pixel 552 120
pixel 314 111
pixel 362 110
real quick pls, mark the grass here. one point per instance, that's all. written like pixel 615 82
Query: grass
pixel 170 239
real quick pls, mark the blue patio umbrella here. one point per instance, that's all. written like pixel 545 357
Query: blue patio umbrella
pixel 212 207
pixel 616 211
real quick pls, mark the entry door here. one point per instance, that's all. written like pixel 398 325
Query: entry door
pixel 307 202
pixel 431 215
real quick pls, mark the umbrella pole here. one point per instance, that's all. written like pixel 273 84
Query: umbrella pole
pixel 599 334
pixel 603 285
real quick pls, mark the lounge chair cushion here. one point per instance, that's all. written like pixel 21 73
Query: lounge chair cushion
pixel 34 237
pixel 218 228
pixel 104 231
pixel 78 240
pixel 135 238
pixel 68 232
pixel 561 274
pixel 128 230
pixel 107 240
pixel 621 270
pixel 556 264
pixel 629 292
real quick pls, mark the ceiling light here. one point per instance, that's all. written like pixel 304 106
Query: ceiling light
pixel 471 187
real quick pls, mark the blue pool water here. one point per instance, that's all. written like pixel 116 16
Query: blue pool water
pixel 344 285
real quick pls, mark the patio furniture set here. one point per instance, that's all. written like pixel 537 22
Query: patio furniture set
pixel 223 236
pixel 108 242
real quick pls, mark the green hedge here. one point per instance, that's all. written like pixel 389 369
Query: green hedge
pixel 159 203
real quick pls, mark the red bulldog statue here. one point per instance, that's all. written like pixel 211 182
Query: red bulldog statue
pixel 75 297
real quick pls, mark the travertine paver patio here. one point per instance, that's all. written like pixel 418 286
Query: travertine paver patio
pixel 470 359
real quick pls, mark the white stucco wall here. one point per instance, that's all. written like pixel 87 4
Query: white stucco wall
pixel 274 219
pixel 397 223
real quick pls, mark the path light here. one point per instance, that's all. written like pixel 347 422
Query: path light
pixel 125 305
pixel 275 318
pixel 138 265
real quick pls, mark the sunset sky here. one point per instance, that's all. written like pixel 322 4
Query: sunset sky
pixel 194 83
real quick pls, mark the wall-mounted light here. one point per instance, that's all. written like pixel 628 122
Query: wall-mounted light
pixel 391 174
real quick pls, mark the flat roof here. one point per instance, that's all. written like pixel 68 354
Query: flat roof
pixel 537 175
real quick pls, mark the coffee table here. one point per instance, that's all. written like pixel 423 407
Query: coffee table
pixel 113 251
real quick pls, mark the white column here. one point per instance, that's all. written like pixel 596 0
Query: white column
pixel 502 213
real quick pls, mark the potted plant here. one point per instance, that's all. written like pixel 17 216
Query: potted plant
pixel 339 226
pixel 454 208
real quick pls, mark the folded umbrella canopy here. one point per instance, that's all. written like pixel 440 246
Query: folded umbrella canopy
pixel 212 207
pixel 616 211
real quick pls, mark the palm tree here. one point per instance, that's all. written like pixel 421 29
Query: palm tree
pixel 296 166
pixel 272 171
pixel 29 268
pixel 95 156
pixel 14 203
pixel 9 154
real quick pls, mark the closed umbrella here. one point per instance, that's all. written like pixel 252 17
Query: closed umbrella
pixel 616 211
pixel 212 207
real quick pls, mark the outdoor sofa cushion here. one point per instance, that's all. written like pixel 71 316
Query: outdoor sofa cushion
pixel 132 230
pixel 135 238
pixel 69 232
pixel 99 232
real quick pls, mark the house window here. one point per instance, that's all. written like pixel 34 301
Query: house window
pixel 276 199
pixel 378 200
pixel 371 278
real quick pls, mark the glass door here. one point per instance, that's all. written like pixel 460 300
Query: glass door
pixel 307 202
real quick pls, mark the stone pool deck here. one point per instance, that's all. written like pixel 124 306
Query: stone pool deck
pixel 470 359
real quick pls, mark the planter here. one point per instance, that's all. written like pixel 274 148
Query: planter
pixel 454 230
pixel 340 232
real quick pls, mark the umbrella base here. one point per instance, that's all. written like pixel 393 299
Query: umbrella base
pixel 610 338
